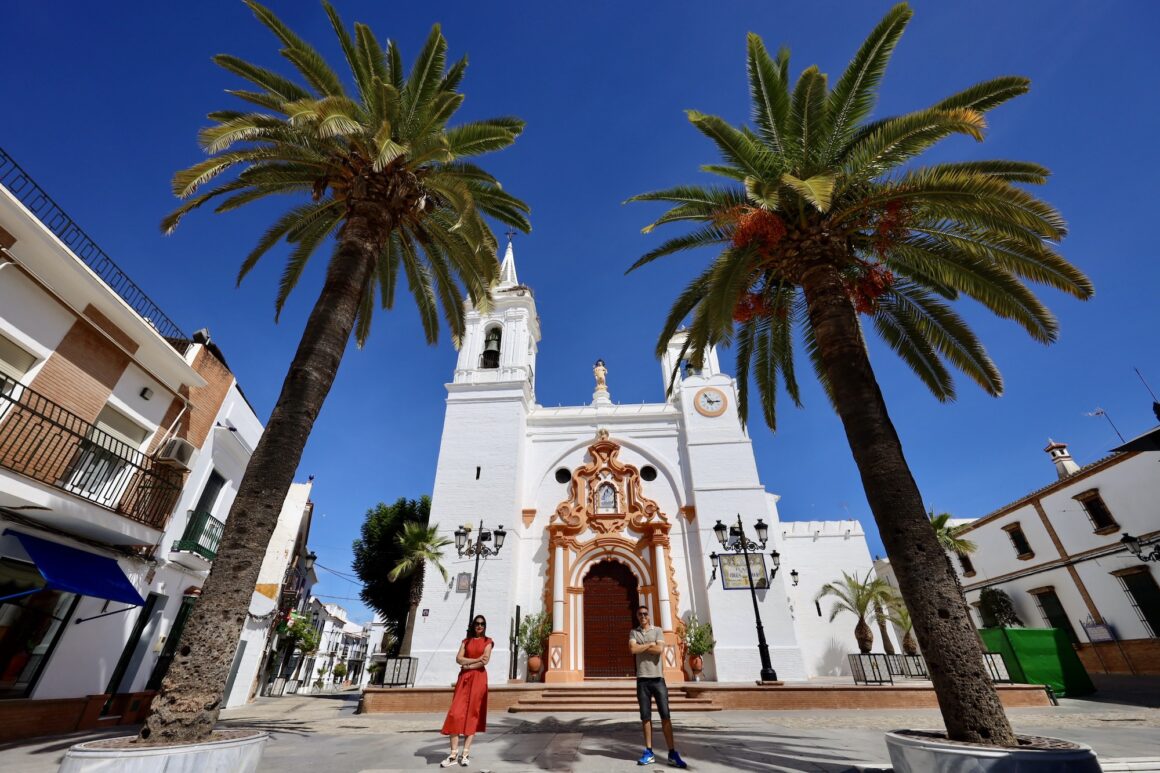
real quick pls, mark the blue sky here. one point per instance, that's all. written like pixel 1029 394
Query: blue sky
pixel 102 103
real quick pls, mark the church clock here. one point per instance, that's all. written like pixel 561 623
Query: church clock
pixel 710 402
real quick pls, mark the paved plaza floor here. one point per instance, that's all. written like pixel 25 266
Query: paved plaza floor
pixel 323 734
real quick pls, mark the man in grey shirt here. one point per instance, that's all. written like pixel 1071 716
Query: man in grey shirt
pixel 647 643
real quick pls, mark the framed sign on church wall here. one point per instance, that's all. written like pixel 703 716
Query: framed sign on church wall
pixel 734 576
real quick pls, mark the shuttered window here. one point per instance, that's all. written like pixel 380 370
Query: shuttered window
pixel 14 363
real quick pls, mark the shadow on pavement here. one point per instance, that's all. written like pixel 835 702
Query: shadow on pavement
pixel 582 742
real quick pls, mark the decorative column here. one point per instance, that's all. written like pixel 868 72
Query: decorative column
pixel 662 585
pixel 558 590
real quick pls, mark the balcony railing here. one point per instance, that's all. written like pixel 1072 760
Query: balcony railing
pixel 203 534
pixel 45 441
pixel 24 188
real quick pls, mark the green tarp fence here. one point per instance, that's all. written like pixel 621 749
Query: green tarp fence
pixel 1040 656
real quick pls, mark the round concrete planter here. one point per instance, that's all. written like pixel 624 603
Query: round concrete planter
pixel 231 755
pixel 917 754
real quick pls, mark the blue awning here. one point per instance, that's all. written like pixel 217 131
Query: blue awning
pixel 78 571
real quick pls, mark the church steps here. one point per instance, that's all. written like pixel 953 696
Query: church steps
pixel 605 699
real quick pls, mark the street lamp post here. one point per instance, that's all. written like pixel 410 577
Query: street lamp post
pixel 742 544
pixel 476 548
pixel 1136 547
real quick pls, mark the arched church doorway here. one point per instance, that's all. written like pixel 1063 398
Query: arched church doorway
pixel 610 601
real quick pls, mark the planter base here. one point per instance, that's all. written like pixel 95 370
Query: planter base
pixel 230 755
pixel 924 752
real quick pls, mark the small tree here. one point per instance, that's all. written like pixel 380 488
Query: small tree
pixel 997 610
pixel 377 550
pixel 948 536
pixel 534 630
pixel 858 597
pixel 898 614
pixel 698 637
pixel 339 671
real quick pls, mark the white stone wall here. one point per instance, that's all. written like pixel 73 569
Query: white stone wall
pixel 820 551
pixel 484 430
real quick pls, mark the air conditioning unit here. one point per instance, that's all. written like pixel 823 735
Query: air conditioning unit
pixel 177 452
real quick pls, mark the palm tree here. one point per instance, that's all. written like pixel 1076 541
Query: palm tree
pixel 825 215
pixel 857 596
pixel 897 613
pixel 381 170
pixel 420 544
pixel 948 536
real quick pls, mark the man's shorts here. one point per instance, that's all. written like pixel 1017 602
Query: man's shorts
pixel 646 690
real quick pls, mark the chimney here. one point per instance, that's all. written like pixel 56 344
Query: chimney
pixel 1064 464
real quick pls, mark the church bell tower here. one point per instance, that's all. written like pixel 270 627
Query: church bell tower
pixel 499 344
pixel 479 476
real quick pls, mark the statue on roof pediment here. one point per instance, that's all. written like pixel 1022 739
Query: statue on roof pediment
pixel 605 495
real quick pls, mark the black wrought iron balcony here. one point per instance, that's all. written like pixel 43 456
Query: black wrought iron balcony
pixel 24 188
pixel 203 534
pixel 48 443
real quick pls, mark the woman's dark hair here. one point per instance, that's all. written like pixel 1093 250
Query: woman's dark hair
pixel 471 627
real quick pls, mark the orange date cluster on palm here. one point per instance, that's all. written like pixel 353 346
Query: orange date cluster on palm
pixel 867 285
pixel 757 227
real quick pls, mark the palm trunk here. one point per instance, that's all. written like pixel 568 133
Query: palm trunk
pixel 864 636
pixel 412 614
pixel 970 705
pixel 191 694
pixel 887 645
pixel 909 645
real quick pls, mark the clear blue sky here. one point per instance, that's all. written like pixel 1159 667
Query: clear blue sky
pixel 102 103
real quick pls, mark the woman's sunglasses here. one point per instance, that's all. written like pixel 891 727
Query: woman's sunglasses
pixel 479 624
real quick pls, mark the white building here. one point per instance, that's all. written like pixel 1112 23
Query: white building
pixel 122 444
pixel 1057 552
pixel 610 506
pixel 284 583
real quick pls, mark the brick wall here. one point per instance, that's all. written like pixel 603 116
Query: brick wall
pixel 29 718
pixel 433 700
pixel 82 372
pixel 801 697
pixel 436 700
pixel 206 401
pixel 1139 655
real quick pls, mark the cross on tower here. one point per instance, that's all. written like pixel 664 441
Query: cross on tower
pixel 511 234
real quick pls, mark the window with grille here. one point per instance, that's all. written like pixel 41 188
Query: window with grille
pixel 965 562
pixel 1141 588
pixel 1019 541
pixel 1097 510
pixel 1051 608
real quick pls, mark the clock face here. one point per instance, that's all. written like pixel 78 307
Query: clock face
pixel 710 402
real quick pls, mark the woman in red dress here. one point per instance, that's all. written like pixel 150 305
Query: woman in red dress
pixel 468 713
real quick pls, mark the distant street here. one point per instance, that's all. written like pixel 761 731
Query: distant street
pixel 322 734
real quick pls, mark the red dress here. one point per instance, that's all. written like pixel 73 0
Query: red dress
pixel 468 712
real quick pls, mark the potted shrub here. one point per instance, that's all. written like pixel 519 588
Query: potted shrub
pixel 534 631
pixel 339 672
pixel 699 642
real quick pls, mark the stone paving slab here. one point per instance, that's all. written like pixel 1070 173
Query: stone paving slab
pixel 322 734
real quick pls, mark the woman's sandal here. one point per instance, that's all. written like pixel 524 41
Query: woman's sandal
pixel 464 761
pixel 449 761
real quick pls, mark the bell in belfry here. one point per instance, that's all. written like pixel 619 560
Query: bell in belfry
pixel 491 349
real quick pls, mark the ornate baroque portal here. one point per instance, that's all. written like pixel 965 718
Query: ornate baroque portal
pixel 606 517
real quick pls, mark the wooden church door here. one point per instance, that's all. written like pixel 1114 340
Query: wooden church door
pixel 610 602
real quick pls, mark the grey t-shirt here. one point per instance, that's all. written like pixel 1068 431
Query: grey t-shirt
pixel 648 664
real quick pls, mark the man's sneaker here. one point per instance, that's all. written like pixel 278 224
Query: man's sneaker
pixel 675 759
pixel 647 758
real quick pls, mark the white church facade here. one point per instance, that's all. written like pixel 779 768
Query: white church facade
pixel 607 507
